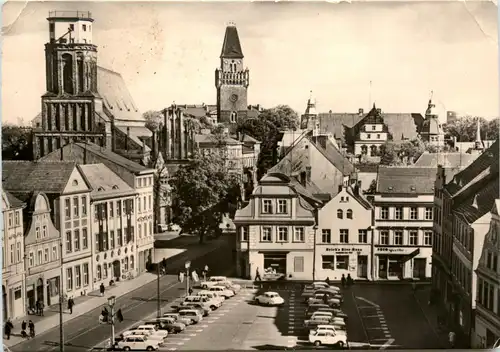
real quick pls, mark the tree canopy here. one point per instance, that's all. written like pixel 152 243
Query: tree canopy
pixel 16 143
pixel 202 190
pixel 153 120
pixel 464 128
pixel 401 153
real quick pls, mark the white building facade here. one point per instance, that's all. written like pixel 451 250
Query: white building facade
pixel 144 212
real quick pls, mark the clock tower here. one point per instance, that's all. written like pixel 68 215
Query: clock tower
pixel 231 80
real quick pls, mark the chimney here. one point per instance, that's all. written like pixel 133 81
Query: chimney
pixel 308 173
pixel 379 110
pixel 144 146
pixel 62 153
pixel 360 111
pixel 128 137
pixel 340 188
pixel 303 178
pixel 84 153
pixel 357 187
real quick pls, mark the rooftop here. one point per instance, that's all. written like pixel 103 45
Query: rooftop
pixel 105 182
pixel 13 201
pixel 87 15
pixel 447 160
pixel 406 180
pixel 231 48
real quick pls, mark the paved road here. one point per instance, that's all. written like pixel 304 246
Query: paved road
pixel 84 332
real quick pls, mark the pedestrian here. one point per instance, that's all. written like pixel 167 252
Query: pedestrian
pixel 327 281
pixel 257 275
pixel 37 305
pixel 8 328
pixel 342 280
pixel 41 306
pixel 71 303
pixel 23 328
pixel 102 289
pixel 31 326
pixel 349 280
pixel 181 276
pixel 451 338
pixel 190 291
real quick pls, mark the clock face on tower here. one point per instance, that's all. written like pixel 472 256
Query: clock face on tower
pixel 233 98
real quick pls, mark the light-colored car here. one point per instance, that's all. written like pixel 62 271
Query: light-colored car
pixel 168 324
pixel 332 301
pixel 212 281
pixel 149 330
pixel 178 318
pixel 203 308
pixel 213 299
pixel 329 338
pixel 326 327
pixel 192 314
pixel 138 342
pixel 270 299
pixel 223 291
pixel 310 290
pixel 189 300
pixel 231 286
pixel 153 337
pixel 328 316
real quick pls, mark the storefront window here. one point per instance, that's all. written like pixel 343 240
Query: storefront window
pixel 342 262
pixel 328 262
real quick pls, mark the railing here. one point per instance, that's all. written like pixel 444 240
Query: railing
pixel 70 14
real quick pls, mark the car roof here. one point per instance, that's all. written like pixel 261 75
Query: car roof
pixel 270 293
pixel 218 277
pixel 188 310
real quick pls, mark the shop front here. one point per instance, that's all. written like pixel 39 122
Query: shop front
pixel 43 286
pixel 13 299
pixel 397 263
pixel 278 265
pixel 333 261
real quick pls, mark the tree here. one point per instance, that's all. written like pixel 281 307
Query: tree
pixel 153 120
pixel 16 143
pixel 401 153
pixel 372 188
pixel 202 190
pixel 464 128
pixel 266 129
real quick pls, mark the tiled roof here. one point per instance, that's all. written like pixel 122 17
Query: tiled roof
pixel 485 160
pixel 373 168
pixel 447 160
pixel 13 201
pixel 46 176
pixel 105 182
pixel 360 198
pixel 116 96
pixel 406 180
pixel 477 204
pixel 195 110
pixel 334 156
pixel 431 126
pixel 137 133
pixel 211 139
pixel 231 48
pixel 294 162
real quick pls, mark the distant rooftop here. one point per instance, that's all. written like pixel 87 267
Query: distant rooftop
pixel 71 14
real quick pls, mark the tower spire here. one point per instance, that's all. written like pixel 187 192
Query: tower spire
pixel 231 48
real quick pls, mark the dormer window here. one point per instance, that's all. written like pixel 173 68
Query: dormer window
pixel 74 183
pixel 374 128
pixel 267 206
pixel 115 187
pixel 100 189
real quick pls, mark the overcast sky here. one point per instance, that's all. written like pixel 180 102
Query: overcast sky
pixel 168 52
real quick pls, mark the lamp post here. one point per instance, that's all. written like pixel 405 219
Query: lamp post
pixel 187 266
pixel 314 249
pixel 158 306
pixel 61 299
pixel 111 304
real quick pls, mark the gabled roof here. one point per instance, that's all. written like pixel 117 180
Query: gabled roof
pixel 333 155
pixel 231 48
pixel 359 197
pixel 212 140
pixel 405 180
pixel 30 176
pixel 116 96
pixel 478 203
pixel 105 182
pixel 447 160
pixel 13 201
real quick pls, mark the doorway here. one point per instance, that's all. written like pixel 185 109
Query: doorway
pixel 419 265
pixel 39 290
pixel 363 266
pixel 274 265
pixel 382 267
pixel 116 269
pixel 30 296
pixel 395 268
pixel 4 303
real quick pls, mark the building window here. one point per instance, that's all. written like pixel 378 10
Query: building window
pixel 119 237
pixel 10 219
pixel 413 238
pixel 282 208
pixel 69 279
pixel 349 214
pixel 78 278
pixel 384 213
pixel 495 263
pixel 112 238
pixel 67 209
pixel 44 231
pixel 99 272
pixel 368 136
pixel 12 253
pixel 374 127
pixel 104 271
pixel 84 205
pixel 131 262
pixel 384 237
pixel 139 204
pixel 428 213
pixel 428 238
pixel 340 214
pixel 125 264
pixel 75 207
pixel 139 230
pixel 266 234
pixel 54 253
pixel 84 27
pixel 413 213
pixel 144 204
pixel 342 262
pixel 234 116
pixel 77 240
pixel 282 234
pixel 378 136
pixel 72 28
pixel 119 208
pixel 46 255
pixel 68 241
pixel 244 233
pixel 328 262
pixel 398 213
pixel 299 235
pixel 16 218
pixel 362 236
pixel 85 274
pixel 111 209
pixel 32 260
pixel 344 236
pixel 18 251
pixel 326 236
pixel 267 207
pixel 85 239
pixel 37 232
pixel 398 238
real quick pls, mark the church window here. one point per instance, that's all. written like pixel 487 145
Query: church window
pixel 67 73
pixel 234 116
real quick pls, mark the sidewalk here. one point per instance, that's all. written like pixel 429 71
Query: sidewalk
pixel 84 304
pixel 422 296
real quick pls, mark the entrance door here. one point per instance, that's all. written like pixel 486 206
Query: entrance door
pixel 4 304
pixel 419 265
pixel 395 268
pixel 363 266
pixel 30 295
pixel 382 267
pixel 39 290
pixel 116 269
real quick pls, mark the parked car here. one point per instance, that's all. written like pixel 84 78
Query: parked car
pixel 336 312
pixel 138 342
pixel 189 300
pixel 213 298
pixel 192 314
pixel 151 337
pixel 178 318
pixel 168 324
pixel 162 228
pixel 320 298
pixel 326 327
pixel 147 330
pixel 329 338
pixel 212 281
pixel 270 299
pixel 231 286
pixel 223 291
pixel 203 308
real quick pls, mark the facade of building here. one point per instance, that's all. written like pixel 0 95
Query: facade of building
pixel 370 134
pixel 84 102
pixel 43 251
pixel 487 319
pixel 275 231
pixel 344 237
pixel 13 272
pixel 403 204
pixel 114 229
pixel 432 131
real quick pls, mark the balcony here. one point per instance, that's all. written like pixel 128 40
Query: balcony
pixel 70 14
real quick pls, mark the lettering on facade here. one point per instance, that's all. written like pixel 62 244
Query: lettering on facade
pixel 393 250
pixel 340 250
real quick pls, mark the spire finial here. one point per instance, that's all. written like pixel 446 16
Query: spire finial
pixel 231 24
pixel 432 94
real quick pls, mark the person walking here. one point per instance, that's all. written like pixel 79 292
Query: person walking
pixel 41 307
pixel 451 339
pixel 349 280
pixel 325 298
pixel 8 328
pixel 102 289
pixel 23 329
pixel 31 326
pixel 71 303
pixel 190 291
pixel 342 280
pixel 37 305
pixel 327 280
pixel 257 275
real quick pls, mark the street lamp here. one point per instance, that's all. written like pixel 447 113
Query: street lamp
pixel 187 265
pixel 111 304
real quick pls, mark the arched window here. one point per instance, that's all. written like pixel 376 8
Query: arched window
pixel 125 264
pixel 67 60
pixel 234 116
pixel 99 272
pixel 364 149
pixel 131 262
pixel 373 150
pixel 340 214
pixel 349 214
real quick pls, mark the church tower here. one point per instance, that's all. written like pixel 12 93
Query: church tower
pixel 431 130
pixel 71 106
pixel 231 80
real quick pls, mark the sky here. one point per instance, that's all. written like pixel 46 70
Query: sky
pixel 168 52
